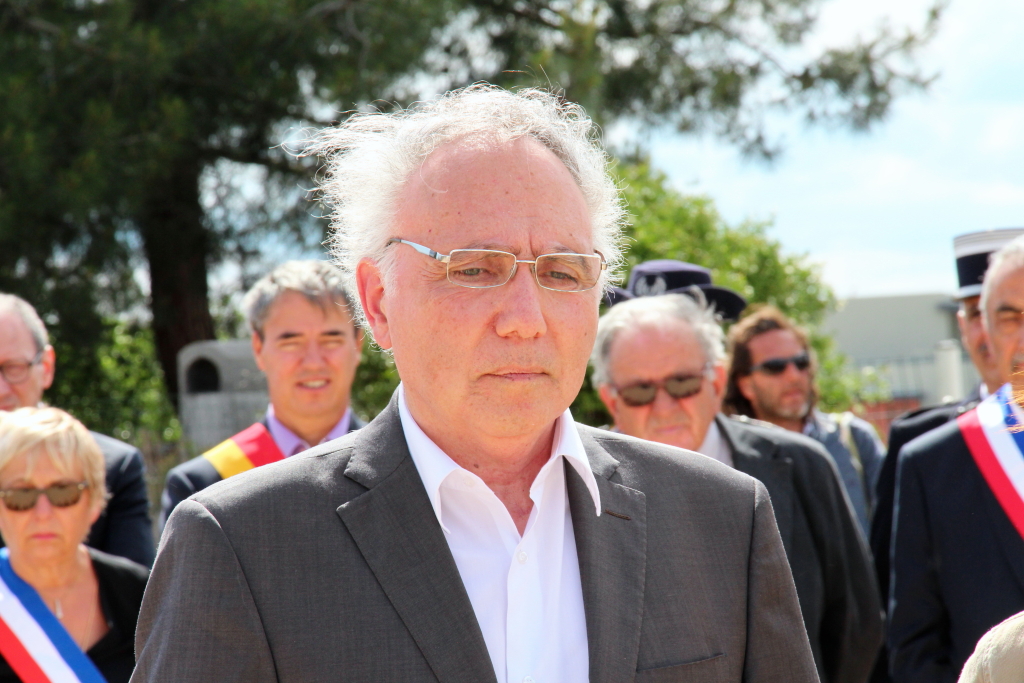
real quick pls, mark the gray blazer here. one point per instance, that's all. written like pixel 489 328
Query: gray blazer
pixel 331 565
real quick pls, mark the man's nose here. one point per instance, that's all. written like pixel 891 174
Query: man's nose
pixel 663 403
pixel 522 313
pixel 792 372
pixel 314 355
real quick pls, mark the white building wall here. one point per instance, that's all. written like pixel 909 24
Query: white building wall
pixel 897 336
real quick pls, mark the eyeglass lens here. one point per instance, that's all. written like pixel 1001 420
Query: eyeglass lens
pixel 480 268
pixel 60 495
pixel 15 371
pixel 644 393
pixel 777 366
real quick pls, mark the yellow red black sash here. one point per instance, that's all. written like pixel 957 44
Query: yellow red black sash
pixel 249 448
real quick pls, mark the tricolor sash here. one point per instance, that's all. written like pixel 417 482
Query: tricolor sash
pixel 34 643
pixel 247 449
pixel 996 442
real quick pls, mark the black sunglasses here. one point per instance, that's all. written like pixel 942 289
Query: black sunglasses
pixel 676 386
pixel 777 366
pixel 60 495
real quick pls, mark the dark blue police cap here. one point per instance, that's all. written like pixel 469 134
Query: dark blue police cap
pixel 666 276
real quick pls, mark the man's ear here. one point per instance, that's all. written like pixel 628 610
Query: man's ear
pixel 744 385
pixel 961 322
pixel 370 282
pixel 608 399
pixel 719 383
pixel 257 351
pixel 49 365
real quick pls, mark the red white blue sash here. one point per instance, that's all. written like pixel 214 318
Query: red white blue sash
pixel 996 442
pixel 34 643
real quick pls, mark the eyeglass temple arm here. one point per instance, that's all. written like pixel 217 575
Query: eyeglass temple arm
pixel 443 258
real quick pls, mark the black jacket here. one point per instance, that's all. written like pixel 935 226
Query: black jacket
pixel 827 552
pixel 196 474
pixel 902 431
pixel 121 584
pixel 124 527
pixel 958 561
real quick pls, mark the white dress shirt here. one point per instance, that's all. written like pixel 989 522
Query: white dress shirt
pixel 715 446
pixel 525 590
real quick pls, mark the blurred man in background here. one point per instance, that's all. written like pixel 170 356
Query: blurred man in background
pixel 771 378
pixel 958 533
pixel 307 345
pixel 659 365
pixel 972 251
pixel 27 367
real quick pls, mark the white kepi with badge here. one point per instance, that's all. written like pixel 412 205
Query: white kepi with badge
pixel 32 640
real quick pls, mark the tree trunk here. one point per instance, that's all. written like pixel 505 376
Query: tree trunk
pixel 177 247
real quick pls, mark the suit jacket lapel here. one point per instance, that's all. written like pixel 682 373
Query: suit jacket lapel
pixel 757 457
pixel 612 551
pixel 395 528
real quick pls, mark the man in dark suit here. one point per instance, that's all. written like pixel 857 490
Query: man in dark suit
pixel 473 531
pixel 306 343
pixel 972 253
pixel 957 550
pixel 27 365
pixel 659 365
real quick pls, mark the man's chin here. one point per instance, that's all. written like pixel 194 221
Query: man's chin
pixel 679 437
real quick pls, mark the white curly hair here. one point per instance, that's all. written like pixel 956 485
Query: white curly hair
pixel 369 157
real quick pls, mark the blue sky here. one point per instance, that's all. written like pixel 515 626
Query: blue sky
pixel 879 210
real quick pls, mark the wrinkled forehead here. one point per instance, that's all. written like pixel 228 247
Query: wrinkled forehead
pixel 650 336
pixel 1007 287
pixel 15 339
pixel 24 465
pixel 506 184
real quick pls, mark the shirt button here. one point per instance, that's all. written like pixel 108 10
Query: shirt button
pixel 521 556
pixel 528 679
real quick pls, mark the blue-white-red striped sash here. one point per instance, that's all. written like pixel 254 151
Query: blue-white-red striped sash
pixel 996 442
pixel 34 643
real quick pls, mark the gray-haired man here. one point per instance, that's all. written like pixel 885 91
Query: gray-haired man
pixel 958 529
pixel 659 365
pixel 473 531
pixel 27 367
pixel 306 344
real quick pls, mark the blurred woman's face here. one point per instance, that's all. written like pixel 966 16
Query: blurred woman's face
pixel 45 532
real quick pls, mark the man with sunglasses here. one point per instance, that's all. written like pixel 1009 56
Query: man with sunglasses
pixel 771 378
pixel 473 531
pixel 659 365
pixel 27 366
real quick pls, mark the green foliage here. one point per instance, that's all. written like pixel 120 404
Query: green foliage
pixel 375 382
pixel 126 397
pixel 668 224
pixel 119 120
pixel 700 65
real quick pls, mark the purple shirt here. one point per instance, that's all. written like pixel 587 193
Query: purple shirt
pixel 290 444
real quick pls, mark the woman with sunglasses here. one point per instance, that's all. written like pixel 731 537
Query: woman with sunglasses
pixel 67 612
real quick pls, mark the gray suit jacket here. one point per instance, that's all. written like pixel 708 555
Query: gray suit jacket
pixel 331 565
